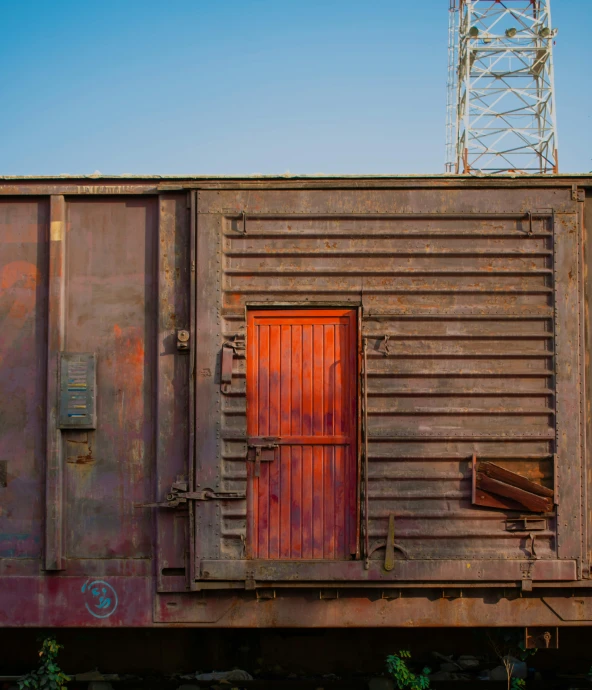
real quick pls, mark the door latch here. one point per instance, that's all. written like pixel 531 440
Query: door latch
pixel 229 350
pixel 180 494
pixel 261 450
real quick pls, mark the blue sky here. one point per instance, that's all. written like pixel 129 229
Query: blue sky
pixel 251 86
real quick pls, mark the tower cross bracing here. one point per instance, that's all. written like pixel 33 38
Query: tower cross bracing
pixel 501 106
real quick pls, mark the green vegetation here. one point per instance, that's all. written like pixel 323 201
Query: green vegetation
pixel 49 675
pixel 404 678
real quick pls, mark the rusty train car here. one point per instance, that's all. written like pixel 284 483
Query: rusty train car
pixel 295 402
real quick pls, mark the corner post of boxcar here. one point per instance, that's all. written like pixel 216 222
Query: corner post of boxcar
pixel 54 486
pixel 569 364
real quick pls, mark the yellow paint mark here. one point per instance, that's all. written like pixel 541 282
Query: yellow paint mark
pixel 468 565
pixel 56 230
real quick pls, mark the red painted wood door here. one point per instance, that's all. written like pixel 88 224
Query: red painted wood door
pixel 301 395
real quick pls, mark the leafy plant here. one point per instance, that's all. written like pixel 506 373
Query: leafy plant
pixel 396 665
pixel 518 684
pixel 49 675
pixel 524 653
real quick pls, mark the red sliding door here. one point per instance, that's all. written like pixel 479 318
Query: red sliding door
pixel 301 424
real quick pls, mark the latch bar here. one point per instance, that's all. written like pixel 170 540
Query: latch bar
pixel 255 448
pixel 180 494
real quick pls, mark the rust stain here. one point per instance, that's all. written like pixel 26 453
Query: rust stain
pixel 19 279
pixel 129 375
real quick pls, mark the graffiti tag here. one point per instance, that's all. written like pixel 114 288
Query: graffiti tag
pixel 100 598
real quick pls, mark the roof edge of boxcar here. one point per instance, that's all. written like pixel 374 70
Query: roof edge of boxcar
pixel 290 176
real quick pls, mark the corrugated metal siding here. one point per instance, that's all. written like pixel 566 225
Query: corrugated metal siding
pixel 467 305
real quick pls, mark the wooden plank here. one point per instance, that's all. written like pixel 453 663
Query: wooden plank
pixel 487 500
pixel 514 479
pixel 530 501
pixel 54 481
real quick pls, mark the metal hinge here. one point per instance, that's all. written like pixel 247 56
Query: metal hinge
pixel 578 194
pixel 541 638
pixel 180 494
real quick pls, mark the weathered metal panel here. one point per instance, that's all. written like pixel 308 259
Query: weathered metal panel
pixel 568 376
pixel 56 323
pixel 471 294
pixel 457 291
pixel 111 305
pixel 301 395
pixel 172 388
pixel 24 230
pixel 128 601
pixel 209 456
pixel 586 220
pixel 77 601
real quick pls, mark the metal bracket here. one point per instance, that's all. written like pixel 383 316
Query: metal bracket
pixel 526 524
pixel 329 594
pixel 541 638
pixel 264 593
pixel 526 568
pixel 255 448
pixel 533 553
pixel 578 194
pixel 451 594
pixel 389 545
pixel 229 349
pixel 390 594
pixel 237 343
pixel 183 340
pixel 180 494
pixel 389 555
pixel 530 226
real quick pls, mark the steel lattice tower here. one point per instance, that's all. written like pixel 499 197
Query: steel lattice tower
pixel 500 105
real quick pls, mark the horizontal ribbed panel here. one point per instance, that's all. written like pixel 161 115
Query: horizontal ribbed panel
pixel 458 315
